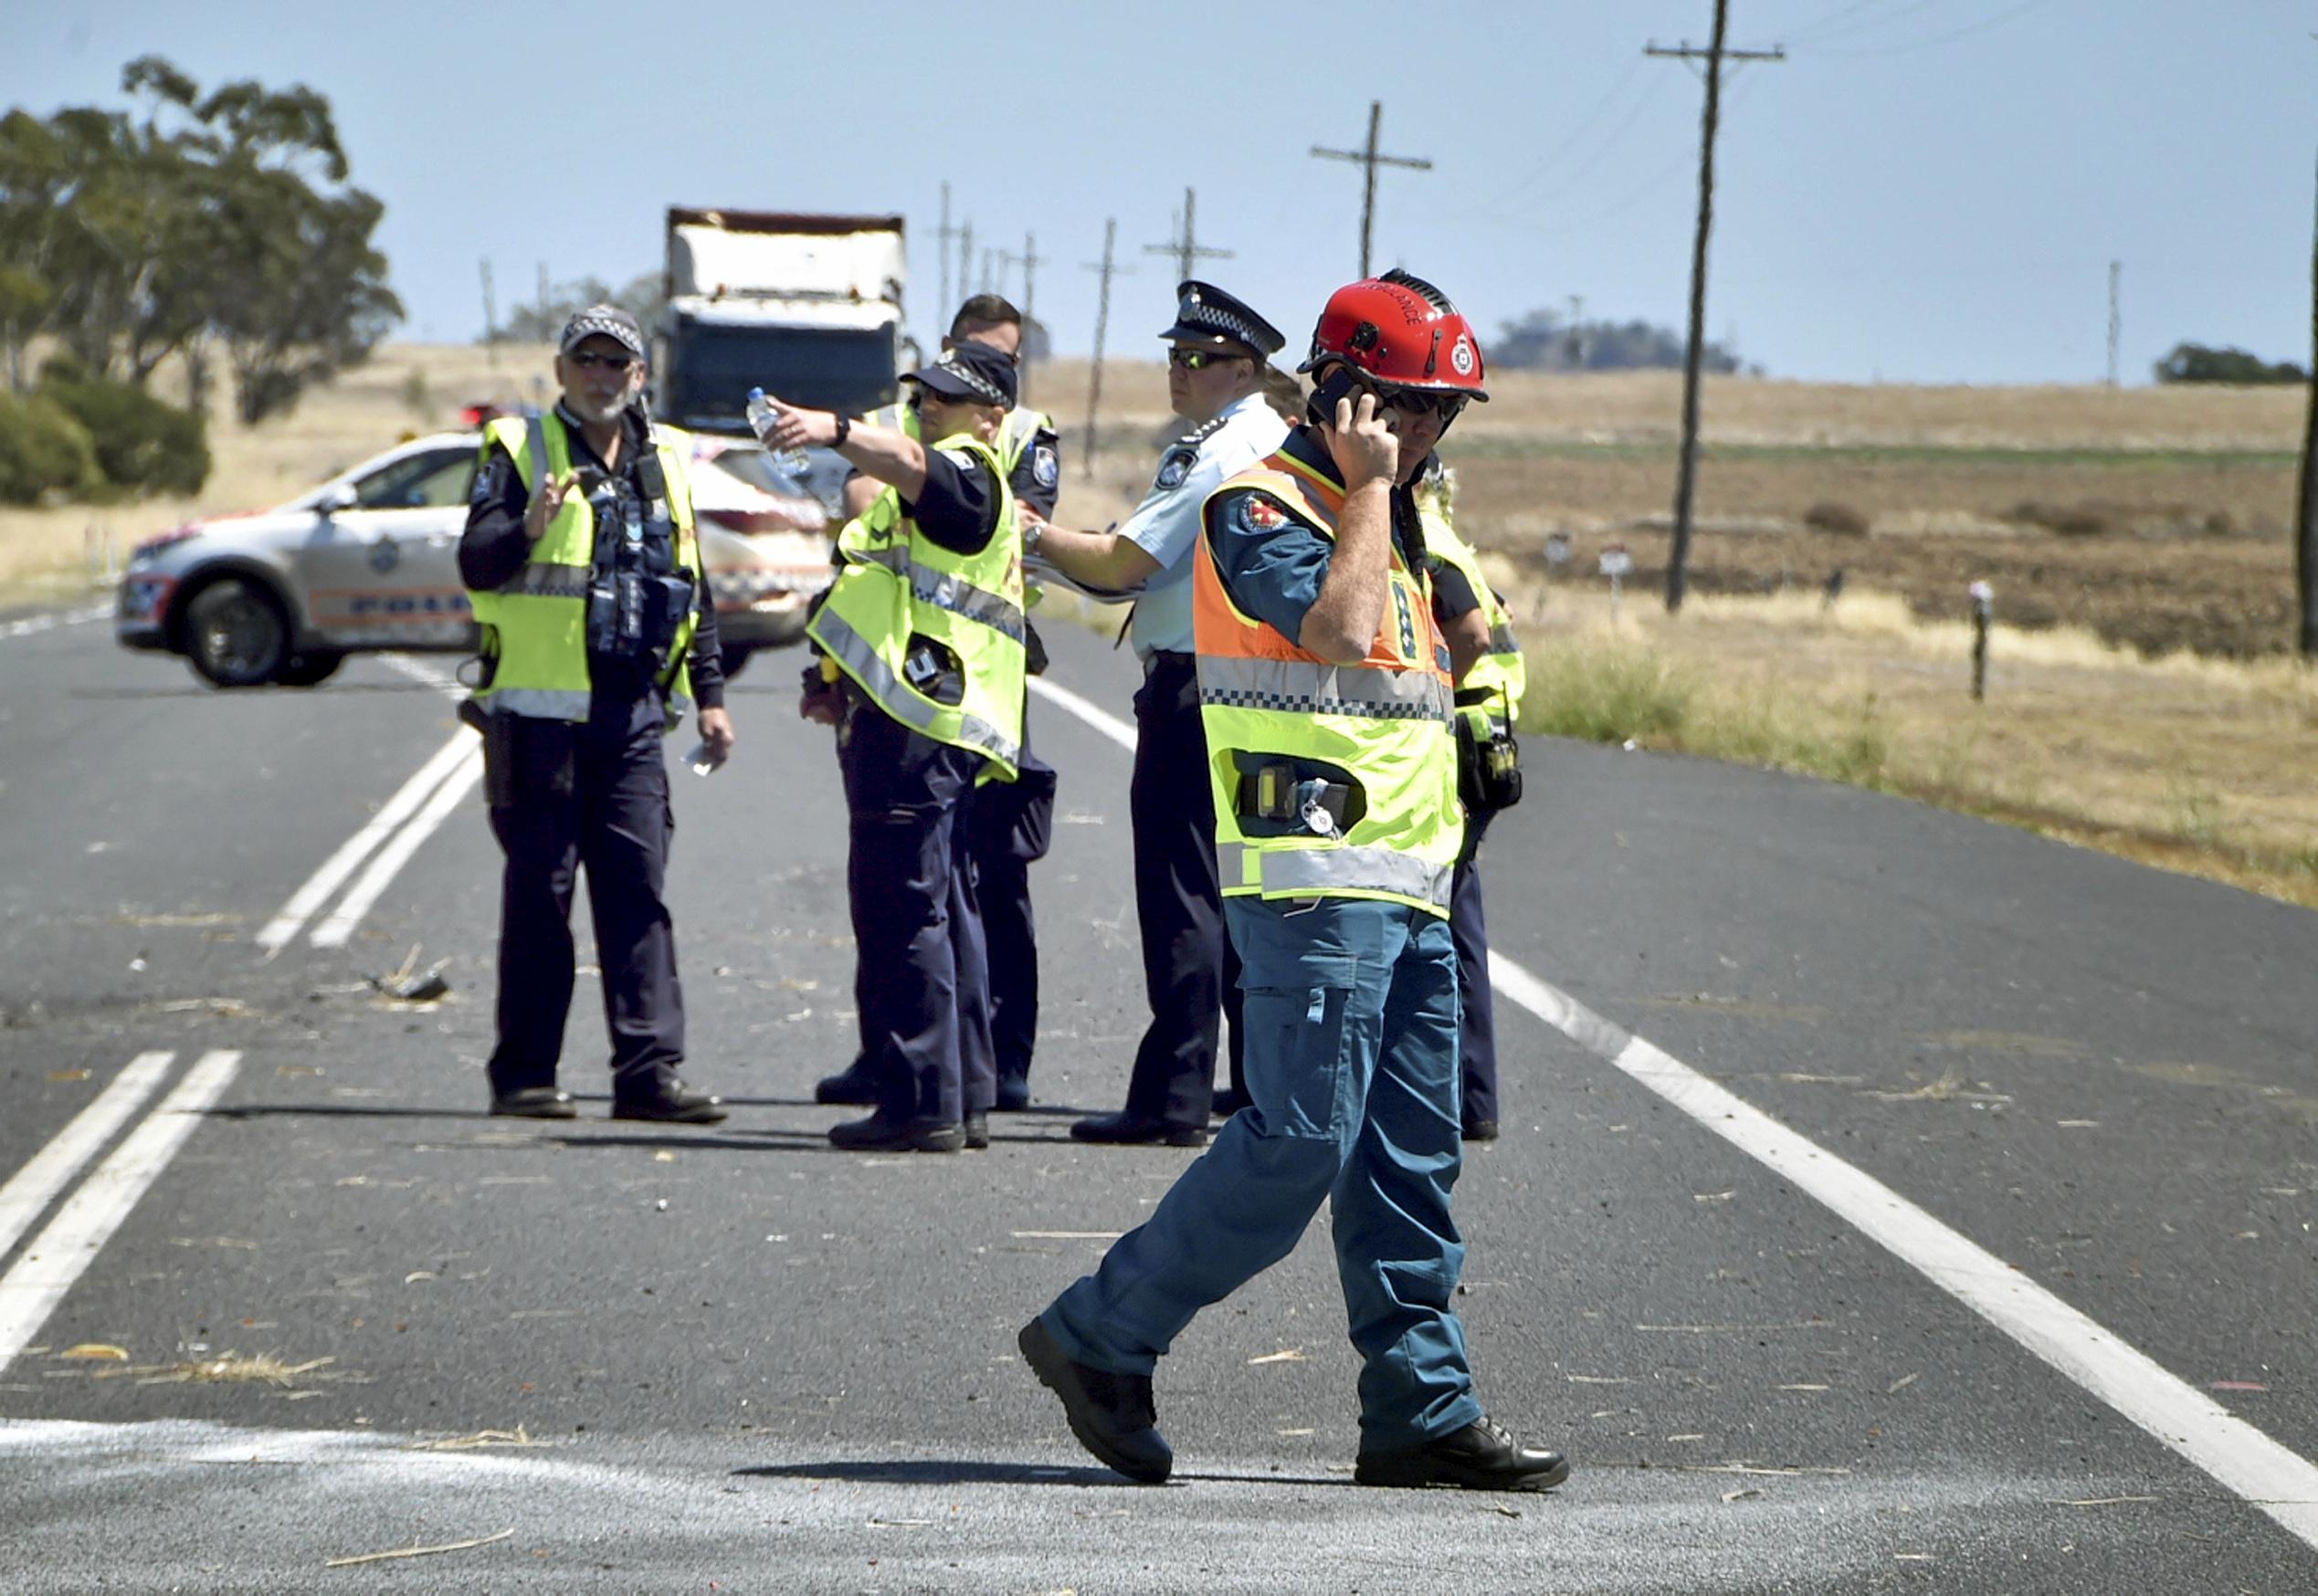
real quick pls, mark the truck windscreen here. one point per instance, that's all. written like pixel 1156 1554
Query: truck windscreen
pixel 712 365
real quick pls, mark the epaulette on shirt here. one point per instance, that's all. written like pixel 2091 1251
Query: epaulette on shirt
pixel 1176 463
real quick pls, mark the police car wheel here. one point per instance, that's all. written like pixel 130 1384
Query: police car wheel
pixel 236 634
pixel 308 670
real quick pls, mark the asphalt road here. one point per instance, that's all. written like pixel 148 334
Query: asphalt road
pixel 735 1358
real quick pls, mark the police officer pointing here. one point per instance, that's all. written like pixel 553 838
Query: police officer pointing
pixel 599 636
pixel 923 630
pixel 1215 369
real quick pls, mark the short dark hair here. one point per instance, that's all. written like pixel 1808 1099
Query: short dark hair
pixel 985 311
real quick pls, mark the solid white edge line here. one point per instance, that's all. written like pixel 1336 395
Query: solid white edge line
pixel 333 931
pixel 51 1170
pixel 2280 1481
pixel 32 624
pixel 1102 719
pixel 2270 1476
pixel 284 927
pixel 59 1255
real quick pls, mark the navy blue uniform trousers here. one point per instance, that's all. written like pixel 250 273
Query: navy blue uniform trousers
pixel 1013 824
pixel 1468 928
pixel 1189 970
pixel 923 981
pixel 564 796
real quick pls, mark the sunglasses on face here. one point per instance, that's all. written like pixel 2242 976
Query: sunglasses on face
pixel 587 359
pixel 1417 402
pixel 1200 359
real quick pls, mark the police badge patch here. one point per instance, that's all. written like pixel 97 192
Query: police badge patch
pixel 486 487
pixel 1174 467
pixel 1045 469
pixel 1259 514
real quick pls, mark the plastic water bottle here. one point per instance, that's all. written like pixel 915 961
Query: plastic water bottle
pixel 790 463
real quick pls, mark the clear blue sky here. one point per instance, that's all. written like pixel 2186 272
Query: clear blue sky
pixel 1925 190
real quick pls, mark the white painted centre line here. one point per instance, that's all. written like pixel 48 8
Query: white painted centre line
pixel 464 773
pixel 2280 1481
pixel 60 1253
pixel 52 1169
pixel 284 927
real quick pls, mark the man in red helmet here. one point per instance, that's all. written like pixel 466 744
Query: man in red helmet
pixel 1327 691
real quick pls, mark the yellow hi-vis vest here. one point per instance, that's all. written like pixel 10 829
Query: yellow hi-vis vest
pixel 1021 425
pixel 536 626
pixel 1330 780
pixel 895 587
pixel 1492 685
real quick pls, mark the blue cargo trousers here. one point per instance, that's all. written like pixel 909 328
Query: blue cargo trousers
pixel 1352 1063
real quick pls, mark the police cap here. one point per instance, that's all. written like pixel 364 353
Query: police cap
pixel 1206 314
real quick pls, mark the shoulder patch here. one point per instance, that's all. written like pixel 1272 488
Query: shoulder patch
pixel 964 459
pixel 1174 467
pixel 1253 512
pixel 1046 469
pixel 486 487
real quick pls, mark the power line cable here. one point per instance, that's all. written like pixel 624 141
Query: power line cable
pixel 1924 44
pixel 1544 164
pixel 1859 27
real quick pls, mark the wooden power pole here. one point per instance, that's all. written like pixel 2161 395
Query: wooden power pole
pixel 1686 480
pixel 2306 521
pixel 1102 322
pixel 1370 160
pixel 942 235
pixel 1185 246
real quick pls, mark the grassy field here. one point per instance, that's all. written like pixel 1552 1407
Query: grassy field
pixel 2138 541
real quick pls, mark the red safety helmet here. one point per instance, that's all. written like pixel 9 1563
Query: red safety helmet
pixel 1401 332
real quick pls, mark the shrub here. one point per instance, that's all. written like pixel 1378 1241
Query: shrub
pixel 44 451
pixel 2067 521
pixel 1604 691
pixel 141 443
pixel 1839 518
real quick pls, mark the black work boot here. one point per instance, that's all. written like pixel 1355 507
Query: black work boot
pixel 850 1085
pixel 1129 1128
pixel 676 1105
pixel 881 1132
pixel 1482 1456
pixel 1110 1413
pixel 533 1103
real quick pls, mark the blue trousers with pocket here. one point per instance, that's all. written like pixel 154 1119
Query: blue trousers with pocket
pixel 1477 1007
pixel 1352 1063
pixel 922 978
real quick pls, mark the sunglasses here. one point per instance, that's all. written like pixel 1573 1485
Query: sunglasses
pixel 1416 402
pixel 1200 359
pixel 587 359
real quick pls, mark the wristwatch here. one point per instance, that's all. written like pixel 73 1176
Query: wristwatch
pixel 1030 533
pixel 844 430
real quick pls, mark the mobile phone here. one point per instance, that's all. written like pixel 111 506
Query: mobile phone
pixel 1340 384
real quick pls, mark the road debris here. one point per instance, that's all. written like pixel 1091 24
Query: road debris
pixel 517 1436
pixel 1747 1494
pixel 2096 1501
pixel 97 1351
pixel 227 1369
pixel 409 984
pixel 1286 1355
pixel 418 1551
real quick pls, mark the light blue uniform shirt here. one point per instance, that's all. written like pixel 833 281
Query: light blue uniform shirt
pixel 1165 525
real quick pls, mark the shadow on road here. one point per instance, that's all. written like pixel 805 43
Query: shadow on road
pixel 936 1470
pixel 242 695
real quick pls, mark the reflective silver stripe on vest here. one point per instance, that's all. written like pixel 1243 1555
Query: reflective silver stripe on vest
pixel 1501 639
pixel 946 589
pixel 544 579
pixel 1300 687
pixel 539 703
pixel 1296 872
pixel 904 703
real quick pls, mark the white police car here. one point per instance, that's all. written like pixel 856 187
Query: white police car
pixel 369 560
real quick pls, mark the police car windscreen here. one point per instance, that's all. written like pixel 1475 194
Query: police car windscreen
pixel 712 368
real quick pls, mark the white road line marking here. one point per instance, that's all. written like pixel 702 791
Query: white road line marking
pixel 59 1255
pixel 284 926
pixel 1102 721
pixel 2266 1475
pixel 333 931
pixel 441 681
pixel 2280 1481
pixel 31 623
pixel 52 1168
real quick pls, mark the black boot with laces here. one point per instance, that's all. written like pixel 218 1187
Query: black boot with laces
pixel 1482 1456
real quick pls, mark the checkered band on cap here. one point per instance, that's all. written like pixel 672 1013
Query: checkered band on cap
pixel 610 321
pixel 989 392
pixel 1204 311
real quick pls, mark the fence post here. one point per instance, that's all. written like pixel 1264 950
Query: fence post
pixel 1982 612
